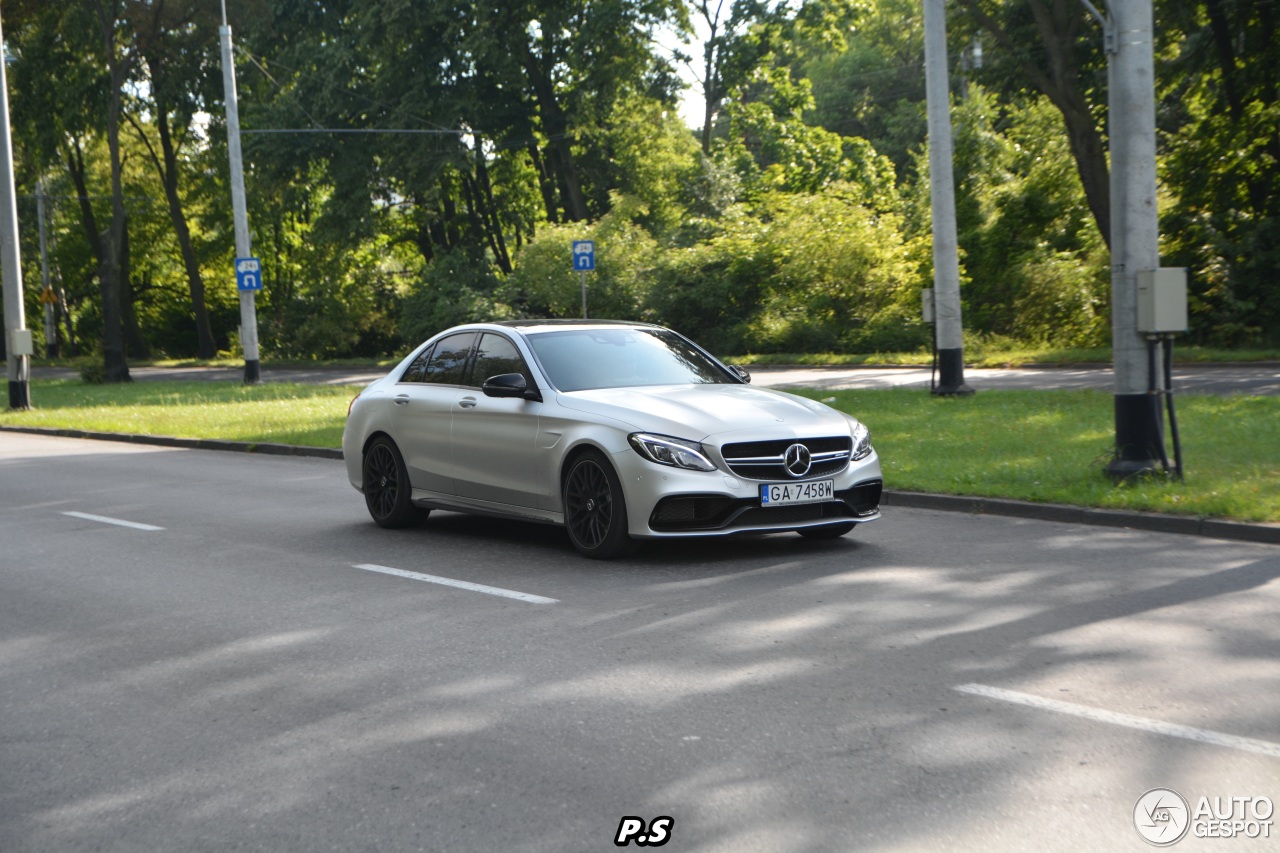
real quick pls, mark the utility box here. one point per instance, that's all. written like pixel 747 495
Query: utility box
pixel 21 343
pixel 926 305
pixel 1162 300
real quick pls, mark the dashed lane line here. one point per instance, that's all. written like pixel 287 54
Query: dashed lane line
pixel 119 522
pixel 1260 747
pixel 467 585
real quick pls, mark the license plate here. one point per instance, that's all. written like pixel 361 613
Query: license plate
pixel 788 494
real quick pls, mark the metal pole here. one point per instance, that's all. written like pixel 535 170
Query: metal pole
pixel 248 308
pixel 942 194
pixel 583 273
pixel 50 328
pixel 1135 232
pixel 15 321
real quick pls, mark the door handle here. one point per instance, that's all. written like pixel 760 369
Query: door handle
pixel 467 402
pixel 402 400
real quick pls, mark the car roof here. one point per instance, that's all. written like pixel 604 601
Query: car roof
pixel 540 325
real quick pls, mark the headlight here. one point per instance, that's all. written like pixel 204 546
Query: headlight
pixel 676 452
pixel 861 442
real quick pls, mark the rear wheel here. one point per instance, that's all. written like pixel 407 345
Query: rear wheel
pixel 834 531
pixel 386 485
pixel 595 511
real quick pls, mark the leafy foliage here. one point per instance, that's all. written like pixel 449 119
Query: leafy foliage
pixel 430 162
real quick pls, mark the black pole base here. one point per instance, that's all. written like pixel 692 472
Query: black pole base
pixel 951 374
pixel 1139 437
pixel 252 372
pixel 19 395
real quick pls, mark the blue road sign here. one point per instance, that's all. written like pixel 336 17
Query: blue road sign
pixel 584 255
pixel 248 274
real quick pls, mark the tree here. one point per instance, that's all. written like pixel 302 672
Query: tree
pixel 1219 113
pixel 113 278
pixel 1064 65
pixel 870 84
pixel 173 40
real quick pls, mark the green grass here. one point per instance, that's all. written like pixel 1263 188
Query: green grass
pixel 1046 446
pixel 285 413
pixel 1051 446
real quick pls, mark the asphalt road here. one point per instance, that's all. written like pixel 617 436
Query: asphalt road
pixel 1255 380
pixel 226 677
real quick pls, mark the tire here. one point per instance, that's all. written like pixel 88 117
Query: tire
pixel 834 531
pixel 386 485
pixel 595 510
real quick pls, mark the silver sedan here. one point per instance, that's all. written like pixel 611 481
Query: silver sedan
pixel 618 431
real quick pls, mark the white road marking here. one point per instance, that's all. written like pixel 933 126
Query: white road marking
pixel 117 521
pixel 1261 747
pixel 474 587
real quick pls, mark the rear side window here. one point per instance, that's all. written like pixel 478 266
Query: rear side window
pixel 448 360
pixel 496 355
pixel 418 369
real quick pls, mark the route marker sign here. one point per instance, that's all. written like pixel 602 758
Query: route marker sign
pixel 584 255
pixel 248 274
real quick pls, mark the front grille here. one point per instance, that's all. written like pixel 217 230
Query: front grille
pixel 763 460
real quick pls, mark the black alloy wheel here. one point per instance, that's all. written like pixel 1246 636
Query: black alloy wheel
pixel 831 531
pixel 595 512
pixel 386 485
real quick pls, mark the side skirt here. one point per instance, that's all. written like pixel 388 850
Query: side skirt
pixel 454 503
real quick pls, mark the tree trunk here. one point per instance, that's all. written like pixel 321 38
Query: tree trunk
pixel 545 184
pixel 556 127
pixel 710 82
pixel 115 367
pixel 205 345
pixel 1058 26
pixel 88 222
pixel 135 343
pixel 489 210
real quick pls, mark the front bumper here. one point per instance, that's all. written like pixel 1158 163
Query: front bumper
pixel 665 502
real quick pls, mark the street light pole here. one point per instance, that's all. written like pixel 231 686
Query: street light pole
pixel 942 196
pixel 248 307
pixel 1135 230
pixel 17 337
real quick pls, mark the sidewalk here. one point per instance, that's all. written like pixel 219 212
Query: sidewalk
pixel 1262 379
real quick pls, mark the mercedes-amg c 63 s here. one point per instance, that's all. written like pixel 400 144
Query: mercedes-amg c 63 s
pixel 618 431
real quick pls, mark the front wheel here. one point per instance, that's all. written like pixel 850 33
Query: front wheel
pixel 595 511
pixel 834 531
pixel 386 485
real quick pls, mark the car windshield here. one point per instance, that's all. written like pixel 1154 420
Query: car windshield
pixel 584 359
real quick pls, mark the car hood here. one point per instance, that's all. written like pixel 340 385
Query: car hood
pixel 699 411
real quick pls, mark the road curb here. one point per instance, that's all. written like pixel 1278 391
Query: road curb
pixel 186 443
pixel 1064 513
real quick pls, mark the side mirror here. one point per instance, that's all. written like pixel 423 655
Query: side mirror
pixel 742 372
pixel 510 385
